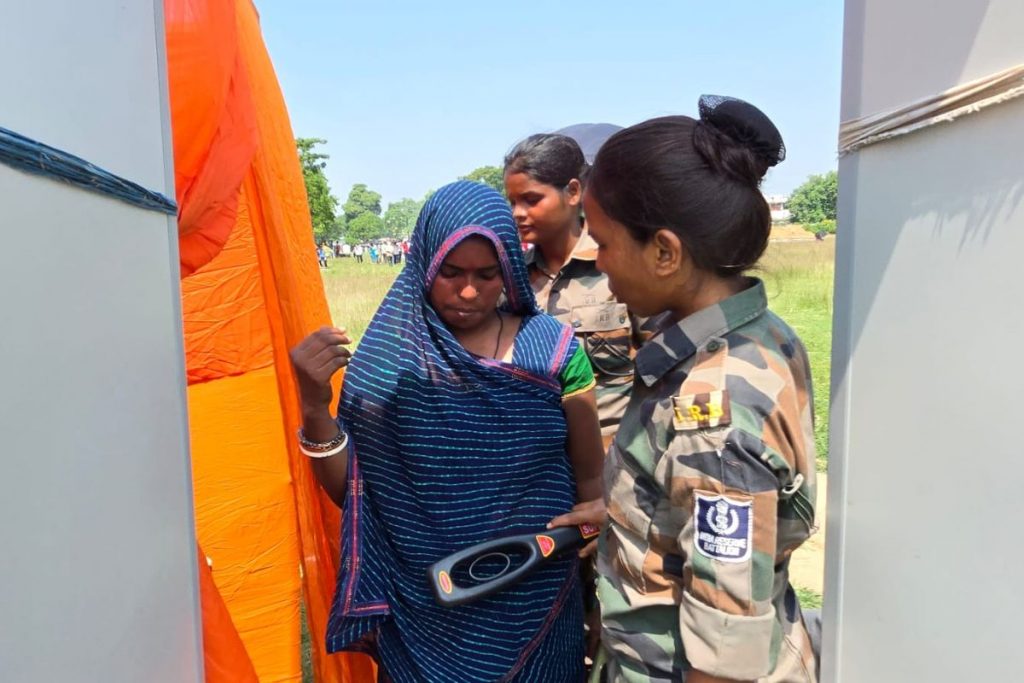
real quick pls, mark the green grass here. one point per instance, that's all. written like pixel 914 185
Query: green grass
pixel 307 649
pixel 355 290
pixel 798 277
pixel 808 599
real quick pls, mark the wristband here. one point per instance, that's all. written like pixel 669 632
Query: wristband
pixel 323 449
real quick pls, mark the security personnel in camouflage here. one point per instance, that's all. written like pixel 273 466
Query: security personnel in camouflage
pixel 543 183
pixel 578 295
pixel 710 486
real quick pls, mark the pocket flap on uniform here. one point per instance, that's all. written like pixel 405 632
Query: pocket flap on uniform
pixel 600 317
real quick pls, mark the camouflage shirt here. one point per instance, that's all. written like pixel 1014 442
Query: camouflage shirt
pixel 710 487
pixel 578 295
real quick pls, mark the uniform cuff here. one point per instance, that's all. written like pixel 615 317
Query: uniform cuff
pixel 726 645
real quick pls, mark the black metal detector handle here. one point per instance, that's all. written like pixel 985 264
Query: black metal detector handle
pixel 539 547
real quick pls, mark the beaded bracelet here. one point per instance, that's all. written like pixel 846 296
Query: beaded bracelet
pixel 323 449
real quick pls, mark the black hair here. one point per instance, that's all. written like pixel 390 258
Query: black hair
pixel 548 158
pixel 693 178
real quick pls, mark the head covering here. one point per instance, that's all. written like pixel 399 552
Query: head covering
pixel 745 124
pixel 448 449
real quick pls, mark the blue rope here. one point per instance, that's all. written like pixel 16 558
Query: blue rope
pixel 30 156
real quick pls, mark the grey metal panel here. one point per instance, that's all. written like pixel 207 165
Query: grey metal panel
pixel 898 51
pixel 97 549
pixel 81 76
pixel 922 574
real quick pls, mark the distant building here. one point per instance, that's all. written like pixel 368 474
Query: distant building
pixel 777 205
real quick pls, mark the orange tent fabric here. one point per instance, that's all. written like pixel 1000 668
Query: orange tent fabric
pixel 225 658
pixel 251 290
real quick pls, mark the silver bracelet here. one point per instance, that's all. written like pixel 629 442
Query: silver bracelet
pixel 326 454
pixel 323 449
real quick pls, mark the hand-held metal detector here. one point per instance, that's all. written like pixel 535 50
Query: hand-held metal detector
pixel 485 568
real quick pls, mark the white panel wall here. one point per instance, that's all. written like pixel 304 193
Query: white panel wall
pixel 97 548
pixel 925 553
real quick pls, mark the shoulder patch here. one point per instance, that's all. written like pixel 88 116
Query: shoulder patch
pixel 724 529
pixel 701 411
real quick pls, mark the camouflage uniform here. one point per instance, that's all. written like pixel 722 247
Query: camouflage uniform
pixel 710 487
pixel 578 295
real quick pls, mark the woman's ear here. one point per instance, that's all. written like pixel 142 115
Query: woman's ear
pixel 670 254
pixel 573 193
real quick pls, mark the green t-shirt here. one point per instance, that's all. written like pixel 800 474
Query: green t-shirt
pixel 578 376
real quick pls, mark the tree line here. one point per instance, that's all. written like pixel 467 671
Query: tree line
pixel 813 204
pixel 359 219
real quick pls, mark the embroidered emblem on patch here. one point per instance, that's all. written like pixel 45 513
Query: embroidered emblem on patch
pixel 724 529
pixel 445 581
pixel 701 411
pixel 589 530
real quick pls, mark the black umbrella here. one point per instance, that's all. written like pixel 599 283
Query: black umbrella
pixel 590 136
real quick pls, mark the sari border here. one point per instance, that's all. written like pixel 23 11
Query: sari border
pixel 356 496
pixel 561 350
pixel 519 373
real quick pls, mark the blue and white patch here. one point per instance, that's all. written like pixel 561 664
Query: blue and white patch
pixel 724 528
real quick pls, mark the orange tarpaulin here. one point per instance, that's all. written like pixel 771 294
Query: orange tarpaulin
pixel 226 660
pixel 251 290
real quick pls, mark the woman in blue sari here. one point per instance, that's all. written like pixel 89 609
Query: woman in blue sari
pixel 466 415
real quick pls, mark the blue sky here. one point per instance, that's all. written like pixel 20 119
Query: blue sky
pixel 411 95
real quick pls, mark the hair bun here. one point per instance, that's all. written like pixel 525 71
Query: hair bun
pixel 745 124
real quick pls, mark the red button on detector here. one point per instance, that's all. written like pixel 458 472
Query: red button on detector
pixel 547 545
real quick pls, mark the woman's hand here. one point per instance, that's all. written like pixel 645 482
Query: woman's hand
pixel 589 512
pixel 315 360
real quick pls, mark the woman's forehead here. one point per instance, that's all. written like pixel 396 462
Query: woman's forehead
pixel 473 252
pixel 521 182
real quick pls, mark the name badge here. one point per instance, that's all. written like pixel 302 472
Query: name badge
pixel 701 411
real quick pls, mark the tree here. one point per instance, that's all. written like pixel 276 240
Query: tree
pixel 400 218
pixel 322 204
pixel 364 228
pixel 492 176
pixel 361 200
pixel 815 200
pixel 321 207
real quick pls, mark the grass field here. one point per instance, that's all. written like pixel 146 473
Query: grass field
pixel 798 277
pixel 354 290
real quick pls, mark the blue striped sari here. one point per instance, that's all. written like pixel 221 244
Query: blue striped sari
pixel 448 450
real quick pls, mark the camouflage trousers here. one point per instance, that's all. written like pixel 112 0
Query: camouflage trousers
pixel 606 670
